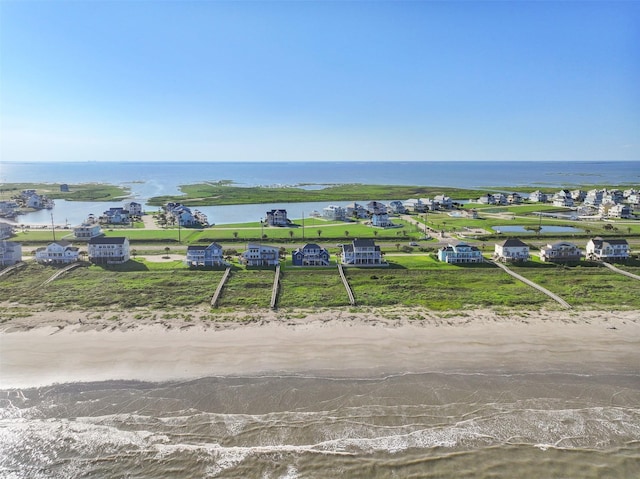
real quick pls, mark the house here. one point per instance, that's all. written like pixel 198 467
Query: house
pixel 6 230
pixel 10 253
pixel 415 205
pixel 537 197
pixel 134 208
pixel 362 252
pixel 116 216
pixel 206 256
pixel 460 253
pixel 514 198
pixel 560 252
pixel 617 210
pixel 182 215
pixel 8 209
pixel 277 218
pixel 563 199
pixel 443 201
pixel 396 207
pixel 260 255
pixel 108 250
pixel 310 254
pixel 355 210
pixel 64 188
pixel 31 199
pixel 87 231
pixel 486 199
pixel 376 208
pixel 607 250
pixel 593 198
pixel 578 195
pixel 381 220
pixel 58 252
pixel 333 212
pixel 511 250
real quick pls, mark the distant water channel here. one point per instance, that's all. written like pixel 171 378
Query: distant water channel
pixel 543 229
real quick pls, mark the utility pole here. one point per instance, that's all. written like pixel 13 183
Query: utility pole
pixel 53 229
pixel 303 226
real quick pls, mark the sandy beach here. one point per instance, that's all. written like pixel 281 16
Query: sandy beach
pixel 69 346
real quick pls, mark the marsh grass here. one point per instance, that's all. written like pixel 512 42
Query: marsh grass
pixel 316 287
pixel 248 288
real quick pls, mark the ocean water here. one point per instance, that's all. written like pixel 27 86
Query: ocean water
pixel 148 179
pixel 434 425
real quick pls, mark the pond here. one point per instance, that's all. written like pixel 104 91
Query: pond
pixel 545 229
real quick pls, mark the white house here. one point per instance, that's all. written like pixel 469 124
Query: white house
pixel 537 197
pixel 108 250
pixel 260 255
pixel 618 210
pixel 207 256
pixel 560 252
pixel 511 250
pixel 356 210
pixel 6 230
pixel 414 204
pixel 333 212
pixel 460 253
pixel 58 252
pixel 87 231
pixel 607 250
pixel 116 216
pixel 362 252
pixel 10 253
pixel 8 208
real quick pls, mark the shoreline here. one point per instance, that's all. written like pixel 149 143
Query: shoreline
pixel 62 347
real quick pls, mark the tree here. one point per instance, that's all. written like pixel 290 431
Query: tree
pixel 134 253
pixel 346 233
pixel 608 226
pixel 291 234
pixel 166 250
pixel 629 229
pixel 375 232
pixel 319 232
pixel 235 235
pixel 398 246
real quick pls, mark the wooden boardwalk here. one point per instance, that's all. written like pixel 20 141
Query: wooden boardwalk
pixel 216 295
pixel 620 271
pixel 352 299
pixel 64 270
pixel 526 281
pixel 276 288
pixel 11 268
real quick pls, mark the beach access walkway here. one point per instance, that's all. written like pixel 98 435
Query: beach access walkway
pixel 13 267
pixel 347 286
pixel 216 294
pixel 276 288
pixel 528 282
pixel 620 271
pixel 57 274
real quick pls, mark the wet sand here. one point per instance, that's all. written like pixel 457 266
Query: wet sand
pixel 60 347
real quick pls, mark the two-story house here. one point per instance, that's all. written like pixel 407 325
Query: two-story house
pixel 207 256
pixel 334 212
pixel 87 231
pixel 460 253
pixel 560 252
pixel 260 255
pixel 10 253
pixel 108 250
pixel 58 252
pixel 362 252
pixel 607 249
pixel 511 250
pixel 277 217
pixel 6 230
pixel 310 254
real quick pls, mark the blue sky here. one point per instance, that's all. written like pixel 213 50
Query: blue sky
pixel 311 81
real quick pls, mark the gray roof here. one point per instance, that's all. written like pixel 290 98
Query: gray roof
pixel 108 240
pixel 513 242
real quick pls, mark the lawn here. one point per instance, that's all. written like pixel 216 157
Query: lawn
pixel 311 287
